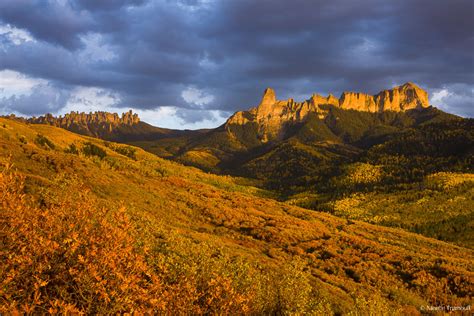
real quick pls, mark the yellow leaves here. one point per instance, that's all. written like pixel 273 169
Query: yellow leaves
pixel 27 308
pixel 362 173
pixel 448 180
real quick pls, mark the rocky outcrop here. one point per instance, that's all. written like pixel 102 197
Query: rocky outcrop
pixel 268 105
pixel 272 115
pixel 128 118
pixel 406 97
pixel 402 98
pixel 95 124
pixel 357 101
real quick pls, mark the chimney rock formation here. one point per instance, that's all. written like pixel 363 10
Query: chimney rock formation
pixel 271 114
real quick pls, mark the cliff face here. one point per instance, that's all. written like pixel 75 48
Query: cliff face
pixel 406 97
pixel 92 124
pixel 271 114
pixel 357 101
pixel 399 99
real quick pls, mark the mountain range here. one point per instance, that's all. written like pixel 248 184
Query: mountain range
pixel 266 125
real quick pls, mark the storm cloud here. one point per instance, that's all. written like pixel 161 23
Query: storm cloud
pixel 206 59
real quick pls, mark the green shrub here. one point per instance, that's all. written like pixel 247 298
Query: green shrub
pixel 90 150
pixel 126 151
pixel 72 149
pixel 44 141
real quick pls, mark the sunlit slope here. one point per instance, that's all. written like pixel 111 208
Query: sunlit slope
pixel 348 264
pixel 420 179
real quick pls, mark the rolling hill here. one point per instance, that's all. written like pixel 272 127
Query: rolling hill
pixel 100 227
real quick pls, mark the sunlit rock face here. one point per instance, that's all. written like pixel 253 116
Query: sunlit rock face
pixel 406 97
pixel 357 101
pixel 271 115
pixel 97 124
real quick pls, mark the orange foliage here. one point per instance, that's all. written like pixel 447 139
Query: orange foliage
pixel 69 255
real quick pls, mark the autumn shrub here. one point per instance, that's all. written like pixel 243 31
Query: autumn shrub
pixel 23 139
pixel 70 255
pixel 373 305
pixel 127 151
pixel 65 253
pixel 202 279
pixel 295 295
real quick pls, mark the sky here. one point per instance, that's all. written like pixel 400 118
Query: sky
pixel 192 63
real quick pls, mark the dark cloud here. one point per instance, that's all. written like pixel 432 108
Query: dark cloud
pixel 48 20
pixel 100 5
pixel 232 50
pixel 194 116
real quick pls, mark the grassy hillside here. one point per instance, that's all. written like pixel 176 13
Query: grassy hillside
pixel 381 172
pixel 100 227
pixel 441 206
pixel 399 182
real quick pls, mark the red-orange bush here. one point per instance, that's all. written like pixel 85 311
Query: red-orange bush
pixel 70 255
pixel 64 253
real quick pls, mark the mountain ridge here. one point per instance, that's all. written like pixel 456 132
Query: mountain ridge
pixel 248 134
pixel 106 125
pixel 272 114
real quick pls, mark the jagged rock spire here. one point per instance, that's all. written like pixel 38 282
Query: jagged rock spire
pixel 268 101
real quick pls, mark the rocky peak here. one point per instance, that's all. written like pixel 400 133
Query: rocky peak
pixel 130 118
pixel 317 99
pixel 332 100
pixel 272 115
pixel 266 106
pixel 268 96
pixel 402 98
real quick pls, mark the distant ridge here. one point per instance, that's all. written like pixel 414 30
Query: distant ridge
pixel 110 119
pixel 105 125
